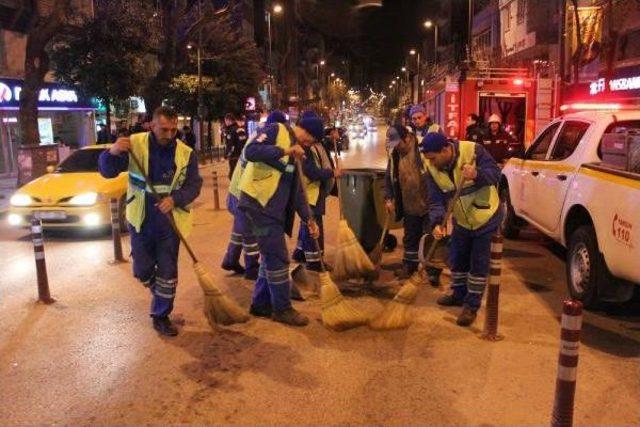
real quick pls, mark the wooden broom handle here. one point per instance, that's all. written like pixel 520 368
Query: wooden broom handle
pixel 169 214
pixel 335 154
pixel 305 200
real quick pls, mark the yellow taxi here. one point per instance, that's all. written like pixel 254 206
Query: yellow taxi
pixel 72 195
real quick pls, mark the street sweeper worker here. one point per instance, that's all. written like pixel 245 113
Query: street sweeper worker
pixel 242 237
pixel 319 179
pixel 407 198
pixel 269 195
pixel 173 170
pixel 476 215
pixel 420 121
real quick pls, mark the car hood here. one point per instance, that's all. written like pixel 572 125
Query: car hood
pixel 52 187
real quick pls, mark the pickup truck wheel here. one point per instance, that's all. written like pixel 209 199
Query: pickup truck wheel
pixel 510 228
pixel 584 266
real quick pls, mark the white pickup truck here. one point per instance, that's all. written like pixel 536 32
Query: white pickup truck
pixel 563 188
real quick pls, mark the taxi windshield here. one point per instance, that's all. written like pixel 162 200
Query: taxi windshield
pixel 81 161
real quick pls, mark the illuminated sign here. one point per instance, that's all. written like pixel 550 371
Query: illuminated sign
pixel 624 83
pixel 51 95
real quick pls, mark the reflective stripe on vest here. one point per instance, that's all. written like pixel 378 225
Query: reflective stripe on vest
pixel 475 209
pixel 260 180
pixel 137 188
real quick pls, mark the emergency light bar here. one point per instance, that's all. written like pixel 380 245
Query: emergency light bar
pixel 591 106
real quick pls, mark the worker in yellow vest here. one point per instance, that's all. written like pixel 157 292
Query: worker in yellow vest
pixel 269 194
pixel 172 168
pixel 319 177
pixel 476 215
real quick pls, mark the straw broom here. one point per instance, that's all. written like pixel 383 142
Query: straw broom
pixel 397 314
pixel 337 314
pixel 219 308
pixel 376 253
pixel 351 261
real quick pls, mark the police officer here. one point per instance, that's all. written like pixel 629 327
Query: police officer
pixel 475 215
pixel 241 133
pixel 173 170
pixel 230 137
pixel 269 193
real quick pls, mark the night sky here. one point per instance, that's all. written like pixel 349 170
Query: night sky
pixel 377 38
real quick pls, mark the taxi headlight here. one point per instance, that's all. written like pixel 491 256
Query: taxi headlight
pixel 84 199
pixel 20 200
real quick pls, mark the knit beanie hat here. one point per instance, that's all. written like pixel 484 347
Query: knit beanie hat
pixel 313 125
pixel 276 116
pixel 433 142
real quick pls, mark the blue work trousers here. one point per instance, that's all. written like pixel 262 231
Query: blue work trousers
pixel 306 250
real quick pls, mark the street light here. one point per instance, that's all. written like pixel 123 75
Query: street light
pixel 322 62
pixel 428 24
pixel 333 74
pixel 415 53
pixel 277 9
pixel 404 69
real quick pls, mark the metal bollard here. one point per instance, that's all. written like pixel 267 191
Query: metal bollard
pixel 41 267
pixel 567 364
pixel 490 332
pixel 216 191
pixel 116 232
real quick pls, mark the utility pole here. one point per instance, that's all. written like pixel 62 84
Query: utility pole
pixel 200 95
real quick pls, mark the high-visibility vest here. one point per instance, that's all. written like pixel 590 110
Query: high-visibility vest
pixel 260 180
pixel 475 209
pixel 137 188
pixel 234 185
pixel 313 187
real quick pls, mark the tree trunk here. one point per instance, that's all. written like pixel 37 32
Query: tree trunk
pixel 36 66
pixel 107 113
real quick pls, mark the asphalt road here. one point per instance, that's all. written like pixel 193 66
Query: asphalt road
pixel 93 358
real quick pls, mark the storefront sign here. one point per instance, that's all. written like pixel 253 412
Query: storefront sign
pixel 452 113
pixel 51 95
pixel 624 83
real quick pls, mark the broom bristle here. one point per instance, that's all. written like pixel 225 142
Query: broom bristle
pixel 219 308
pixel 337 313
pixel 351 261
pixel 397 314
pixel 376 255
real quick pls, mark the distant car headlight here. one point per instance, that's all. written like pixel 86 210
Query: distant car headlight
pixel 84 199
pixel 20 200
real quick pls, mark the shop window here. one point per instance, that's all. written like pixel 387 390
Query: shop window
pixel 540 147
pixel 522 5
pixel 568 139
pixel 629 46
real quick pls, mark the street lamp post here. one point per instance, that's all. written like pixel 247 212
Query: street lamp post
pixel 415 53
pixel 277 9
pixel 429 24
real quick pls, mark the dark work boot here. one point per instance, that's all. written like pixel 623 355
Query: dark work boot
pixel 236 268
pixel 467 317
pixel 164 326
pixel 290 317
pixel 405 272
pixel 260 311
pixel 450 301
